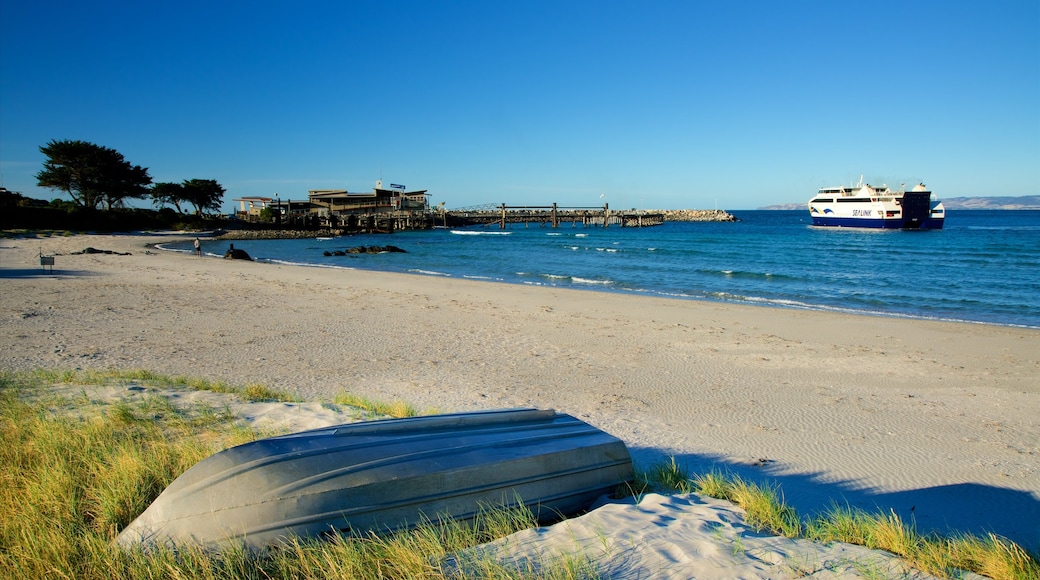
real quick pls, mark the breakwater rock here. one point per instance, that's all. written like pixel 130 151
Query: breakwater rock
pixel 697 215
pixel 277 234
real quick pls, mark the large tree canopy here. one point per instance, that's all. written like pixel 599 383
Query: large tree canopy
pixel 168 193
pixel 203 194
pixel 92 174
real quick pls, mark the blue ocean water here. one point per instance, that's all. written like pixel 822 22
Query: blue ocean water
pixel 984 266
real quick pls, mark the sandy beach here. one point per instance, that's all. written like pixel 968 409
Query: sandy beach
pixel 937 422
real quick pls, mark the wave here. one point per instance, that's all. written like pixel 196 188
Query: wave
pixel 476 233
pixel 578 280
pixel 429 272
pixel 801 305
pixel 556 278
pixel 751 275
pixel 169 248
pixel 292 263
pixel 182 251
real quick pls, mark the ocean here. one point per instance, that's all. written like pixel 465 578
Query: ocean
pixel 983 267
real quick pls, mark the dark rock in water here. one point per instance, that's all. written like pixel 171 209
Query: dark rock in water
pixel 365 250
pixel 373 249
pixel 234 254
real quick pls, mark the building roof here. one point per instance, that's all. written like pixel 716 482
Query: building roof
pixel 265 199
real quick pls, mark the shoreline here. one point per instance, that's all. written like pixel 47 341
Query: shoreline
pixel 933 420
pixel 749 302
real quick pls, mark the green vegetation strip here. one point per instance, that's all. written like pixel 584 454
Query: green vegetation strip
pixel 74 471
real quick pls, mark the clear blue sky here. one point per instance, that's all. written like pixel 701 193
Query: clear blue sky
pixel 684 104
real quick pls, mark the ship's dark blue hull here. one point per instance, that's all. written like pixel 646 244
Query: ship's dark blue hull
pixel 889 224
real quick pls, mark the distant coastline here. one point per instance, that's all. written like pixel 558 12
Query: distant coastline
pixel 995 202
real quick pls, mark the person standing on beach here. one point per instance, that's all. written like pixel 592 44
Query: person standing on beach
pixel 198 248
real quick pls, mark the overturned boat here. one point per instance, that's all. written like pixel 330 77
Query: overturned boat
pixel 383 476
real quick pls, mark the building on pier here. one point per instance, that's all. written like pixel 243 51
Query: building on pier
pixel 250 207
pixel 382 209
pixel 335 207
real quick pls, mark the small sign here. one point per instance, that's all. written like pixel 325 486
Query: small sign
pixel 395 186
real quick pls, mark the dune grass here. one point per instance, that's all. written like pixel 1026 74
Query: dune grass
pixel 251 392
pixel 75 471
pixel 765 510
pixel 397 409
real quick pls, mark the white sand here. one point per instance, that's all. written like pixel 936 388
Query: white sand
pixel 688 536
pixel 938 422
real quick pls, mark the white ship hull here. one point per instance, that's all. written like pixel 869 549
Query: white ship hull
pixel 864 206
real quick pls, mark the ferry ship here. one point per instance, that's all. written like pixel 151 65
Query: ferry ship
pixel 865 206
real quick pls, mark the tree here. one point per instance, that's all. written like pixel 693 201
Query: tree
pixel 124 182
pixel 203 194
pixel 267 214
pixel 92 174
pixel 168 193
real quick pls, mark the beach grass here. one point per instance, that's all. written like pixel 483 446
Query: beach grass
pixel 75 471
pixel 398 409
pixel 765 510
pixel 250 392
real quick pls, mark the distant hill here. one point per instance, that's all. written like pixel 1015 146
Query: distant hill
pixel 1020 202
pixel 996 202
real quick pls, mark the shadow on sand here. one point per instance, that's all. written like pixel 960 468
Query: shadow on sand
pixel 12 273
pixel 949 510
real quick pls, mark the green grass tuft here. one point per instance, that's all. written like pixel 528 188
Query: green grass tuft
pixel 765 509
pixel 670 477
pixel 990 556
pixel 397 409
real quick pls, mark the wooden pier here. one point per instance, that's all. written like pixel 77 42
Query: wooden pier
pixel 550 215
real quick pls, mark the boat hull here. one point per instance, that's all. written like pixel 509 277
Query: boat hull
pixel 383 476
pixel 884 224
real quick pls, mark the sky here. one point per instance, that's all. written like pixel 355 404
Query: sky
pixel 650 105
